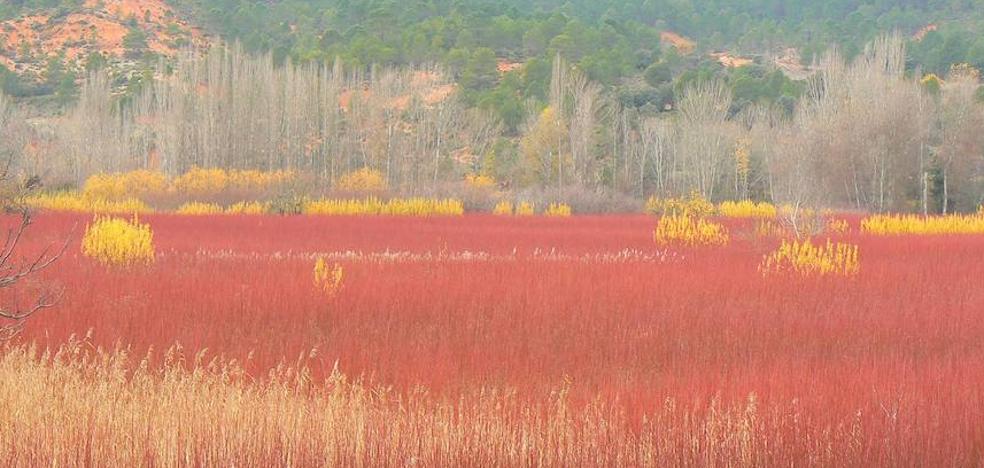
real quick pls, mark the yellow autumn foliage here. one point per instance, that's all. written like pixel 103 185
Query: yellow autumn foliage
pixel 363 180
pixel 118 242
pixel 121 186
pixel 392 207
pixel 77 202
pixel 889 225
pixel 558 210
pixel 690 231
pixel 747 209
pixel 694 205
pixel 199 209
pixel 248 208
pixel 503 208
pixel 480 182
pixel 805 258
pixel 525 209
pixel 199 182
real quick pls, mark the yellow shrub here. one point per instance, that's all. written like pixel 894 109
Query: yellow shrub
pixel 503 208
pixel 838 226
pixel 482 182
pixel 525 209
pixel 887 225
pixel 248 208
pixel 199 209
pixel 258 180
pixel 747 209
pixel 134 184
pixel 805 258
pixel 689 231
pixel 327 278
pixel 362 180
pixel 392 207
pixel 560 210
pixel 694 205
pixel 75 202
pixel 200 182
pixel 118 242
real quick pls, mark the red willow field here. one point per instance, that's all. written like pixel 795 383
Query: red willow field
pixel 490 340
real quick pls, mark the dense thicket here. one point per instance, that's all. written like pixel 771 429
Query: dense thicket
pixel 865 135
pixel 614 42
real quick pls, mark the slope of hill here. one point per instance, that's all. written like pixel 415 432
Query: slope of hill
pixel 96 32
pixel 499 52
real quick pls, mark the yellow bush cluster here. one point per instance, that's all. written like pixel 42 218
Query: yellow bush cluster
pixel 694 205
pixel 689 231
pixel 248 208
pixel 118 242
pixel 392 207
pixel 481 182
pixel 327 278
pixel 560 210
pixel 747 209
pixel 240 208
pixel 257 180
pixel 134 184
pixel 525 209
pixel 887 225
pixel 503 208
pixel 806 258
pixel 199 209
pixel 838 226
pixel 362 180
pixel 77 202
pixel 196 182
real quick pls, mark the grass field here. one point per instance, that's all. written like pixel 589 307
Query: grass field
pixel 484 340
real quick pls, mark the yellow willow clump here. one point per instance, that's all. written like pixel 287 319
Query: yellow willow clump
pixel 248 208
pixel 503 208
pixel 362 180
pixel 258 180
pixel 694 205
pixel 559 210
pixel 76 202
pixel 887 225
pixel 747 209
pixel 525 209
pixel 392 207
pixel 481 182
pixel 200 182
pixel 327 278
pixel 838 226
pixel 118 242
pixel 689 231
pixel 199 209
pixel 133 184
pixel 805 258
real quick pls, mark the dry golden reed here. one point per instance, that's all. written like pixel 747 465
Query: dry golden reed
pixel 79 406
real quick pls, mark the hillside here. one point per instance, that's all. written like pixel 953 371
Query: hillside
pixel 499 52
pixel 67 41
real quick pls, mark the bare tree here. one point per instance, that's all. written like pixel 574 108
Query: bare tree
pixel 705 134
pixel 960 137
pixel 15 271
